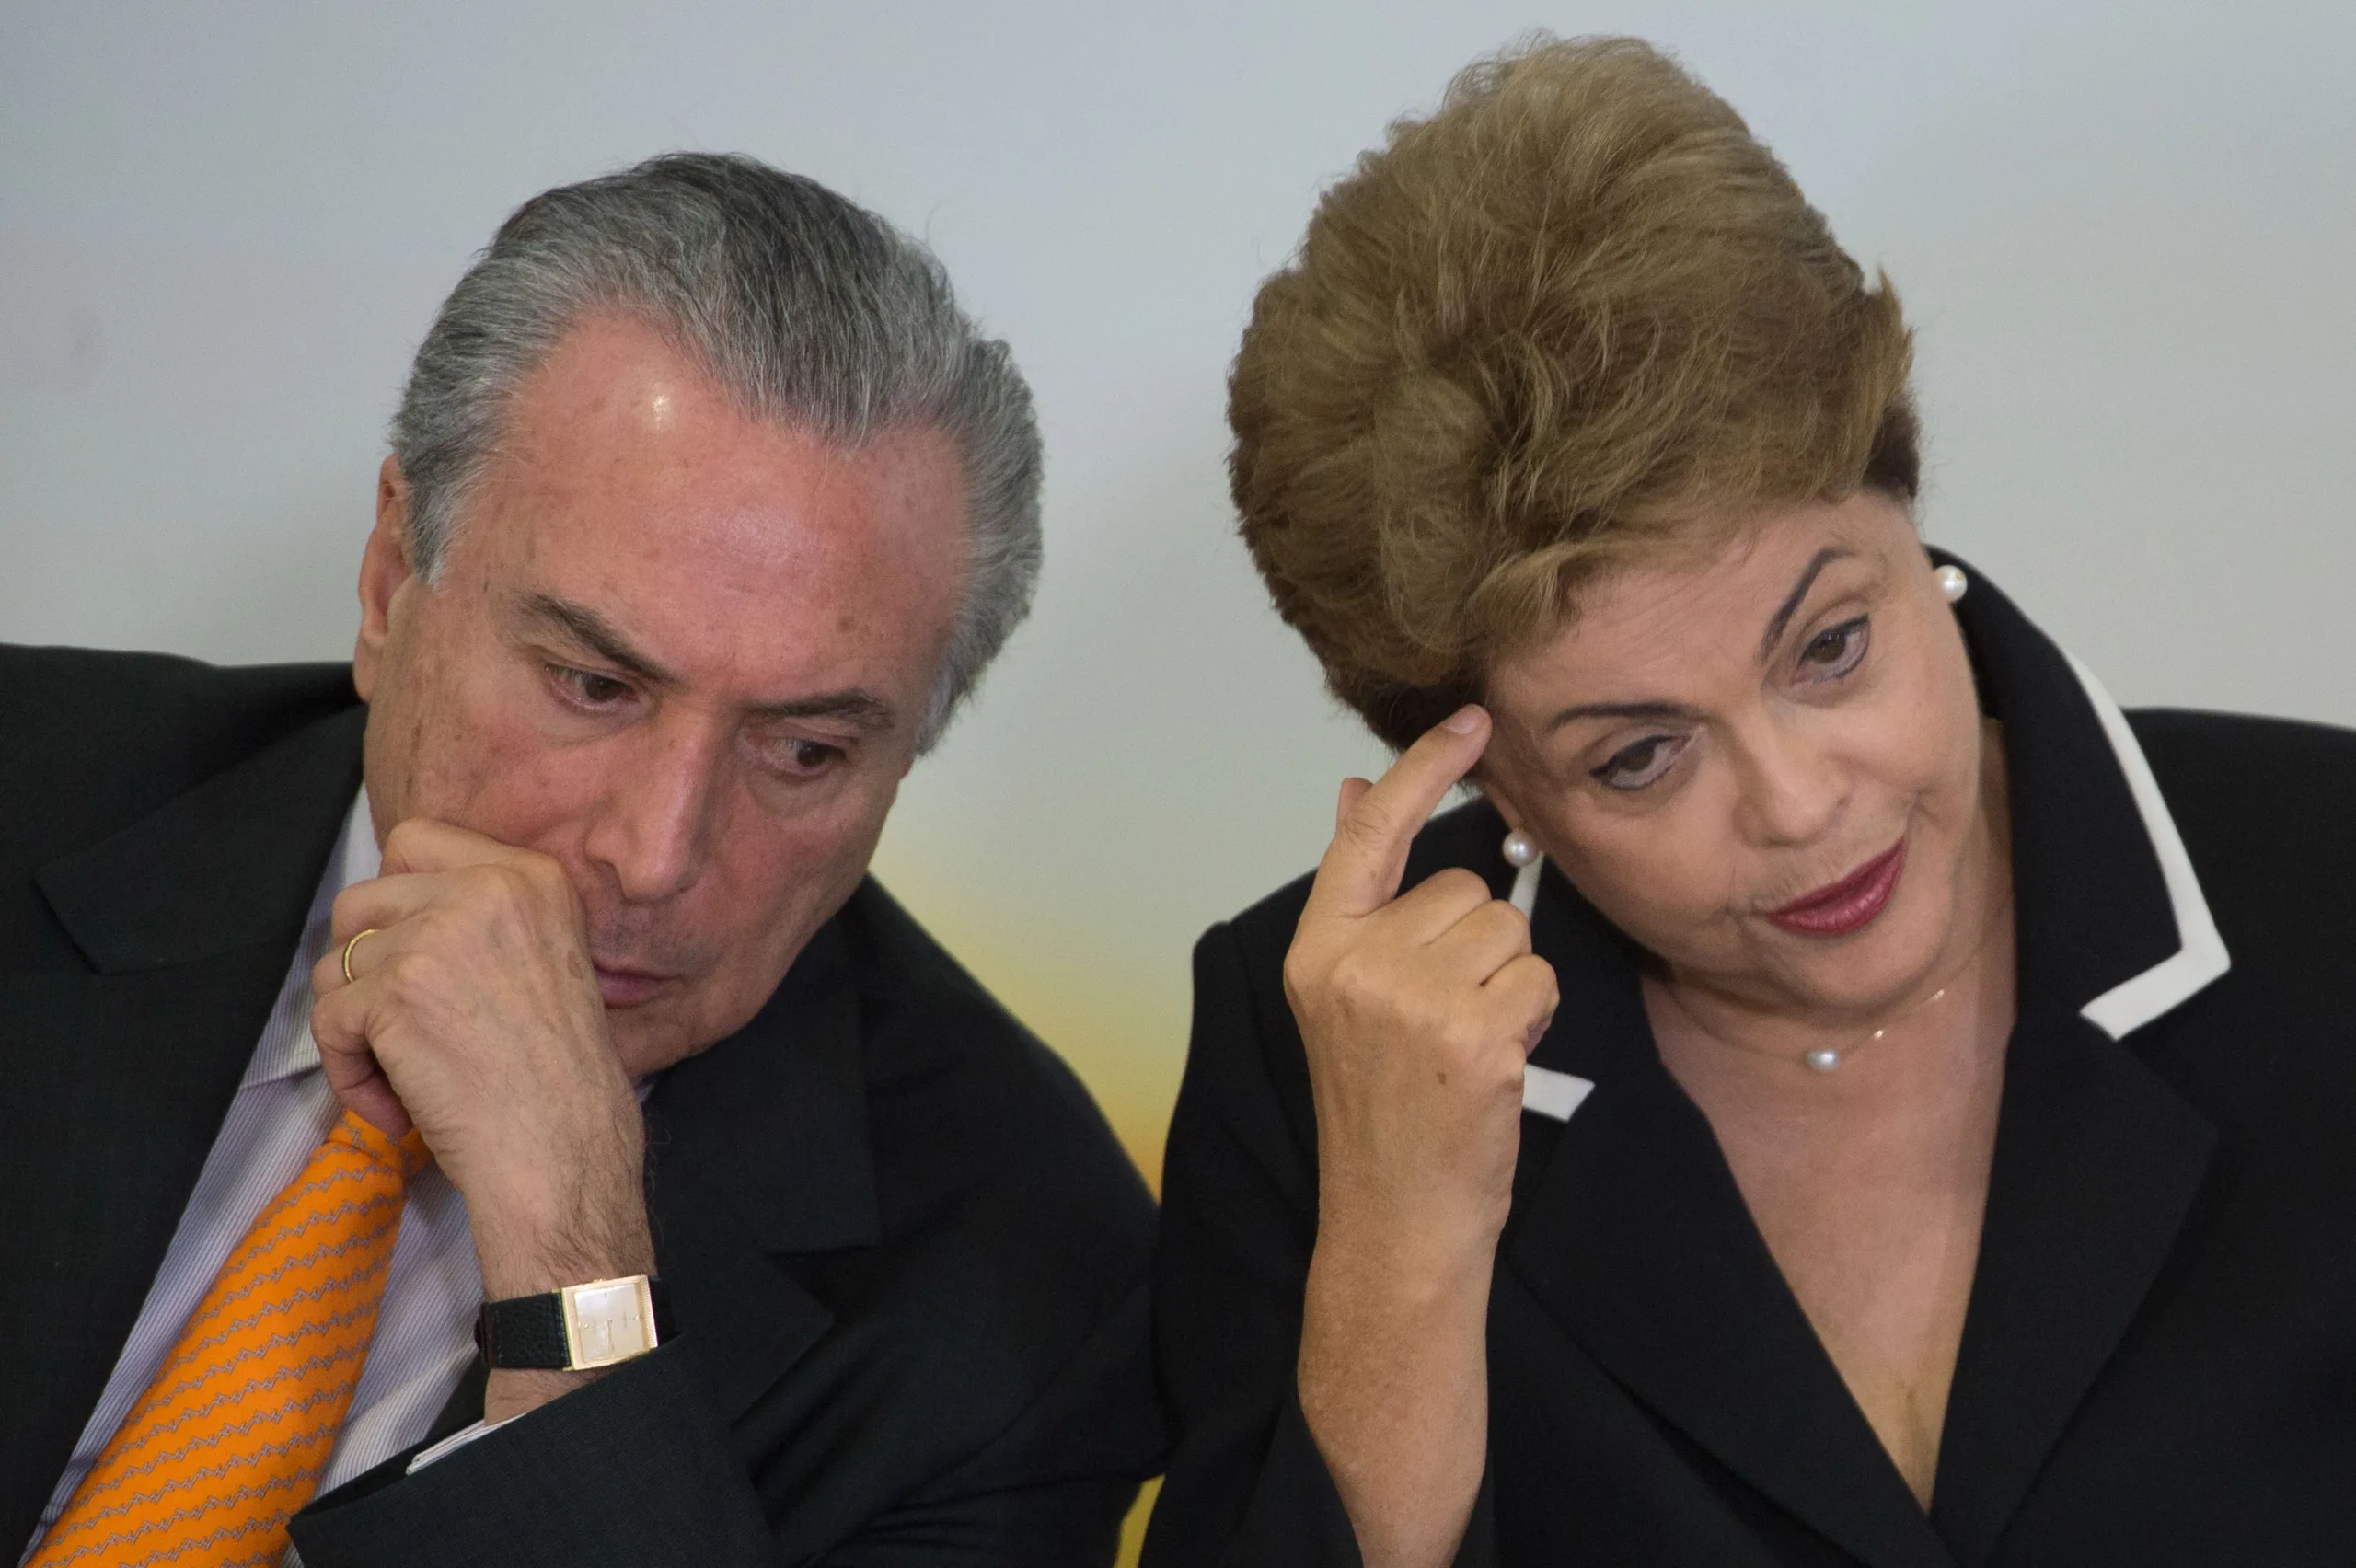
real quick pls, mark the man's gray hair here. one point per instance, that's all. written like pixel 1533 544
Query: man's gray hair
pixel 807 308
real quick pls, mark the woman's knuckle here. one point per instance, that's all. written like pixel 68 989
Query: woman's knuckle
pixel 1457 882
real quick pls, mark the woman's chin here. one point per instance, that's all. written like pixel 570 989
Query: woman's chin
pixel 1862 973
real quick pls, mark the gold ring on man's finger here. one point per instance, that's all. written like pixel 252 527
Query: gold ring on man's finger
pixel 347 952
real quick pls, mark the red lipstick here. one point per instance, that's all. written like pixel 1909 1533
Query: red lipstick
pixel 1850 905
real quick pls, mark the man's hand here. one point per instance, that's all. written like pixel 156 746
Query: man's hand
pixel 1417 1013
pixel 473 1014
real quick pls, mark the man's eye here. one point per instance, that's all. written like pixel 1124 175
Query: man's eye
pixel 1835 651
pixel 1634 767
pixel 804 759
pixel 592 689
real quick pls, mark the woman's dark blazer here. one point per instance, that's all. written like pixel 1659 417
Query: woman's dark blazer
pixel 2158 1365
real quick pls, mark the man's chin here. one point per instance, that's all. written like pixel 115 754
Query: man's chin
pixel 671 1026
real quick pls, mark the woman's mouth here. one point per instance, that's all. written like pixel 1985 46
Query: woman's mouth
pixel 1838 909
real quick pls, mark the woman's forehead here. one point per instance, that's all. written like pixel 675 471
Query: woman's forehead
pixel 1682 614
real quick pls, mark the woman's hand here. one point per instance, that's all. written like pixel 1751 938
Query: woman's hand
pixel 1417 1013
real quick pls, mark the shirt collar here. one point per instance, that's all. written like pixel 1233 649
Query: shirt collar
pixel 286 1047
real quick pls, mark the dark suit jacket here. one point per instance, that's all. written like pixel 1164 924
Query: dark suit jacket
pixel 907 1259
pixel 2159 1360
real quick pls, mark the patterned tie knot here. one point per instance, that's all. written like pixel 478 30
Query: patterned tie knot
pixel 404 1156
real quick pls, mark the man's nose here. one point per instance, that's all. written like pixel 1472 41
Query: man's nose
pixel 653 831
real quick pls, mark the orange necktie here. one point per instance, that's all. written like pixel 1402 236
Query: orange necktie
pixel 232 1437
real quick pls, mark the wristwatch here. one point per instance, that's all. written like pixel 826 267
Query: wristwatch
pixel 580 1327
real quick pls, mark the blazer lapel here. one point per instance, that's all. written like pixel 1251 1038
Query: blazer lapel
pixel 118 1079
pixel 758 1150
pixel 2098 1164
pixel 1628 1226
pixel 2098 1161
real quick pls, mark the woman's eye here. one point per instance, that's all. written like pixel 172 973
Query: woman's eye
pixel 1835 651
pixel 1634 767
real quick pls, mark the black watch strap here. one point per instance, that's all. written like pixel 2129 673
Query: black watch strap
pixel 529 1332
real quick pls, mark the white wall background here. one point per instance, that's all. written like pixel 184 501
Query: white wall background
pixel 2123 233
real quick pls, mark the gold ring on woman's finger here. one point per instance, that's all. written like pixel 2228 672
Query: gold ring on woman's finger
pixel 347 952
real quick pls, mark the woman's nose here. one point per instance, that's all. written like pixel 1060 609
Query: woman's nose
pixel 1791 790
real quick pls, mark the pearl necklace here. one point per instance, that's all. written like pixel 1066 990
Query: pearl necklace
pixel 1825 1059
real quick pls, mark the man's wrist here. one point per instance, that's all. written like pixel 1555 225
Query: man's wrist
pixel 532 1238
pixel 583 1326
pixel 510 1394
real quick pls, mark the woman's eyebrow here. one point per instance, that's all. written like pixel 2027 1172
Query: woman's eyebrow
pixel 1665 710
pixel 1791 605
pixel 1678 710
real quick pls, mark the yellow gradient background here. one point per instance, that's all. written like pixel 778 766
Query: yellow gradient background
pixel 2121 232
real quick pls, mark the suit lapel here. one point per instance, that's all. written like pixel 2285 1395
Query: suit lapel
pixel 1628 1226
pixel 758 1150
pixel 119 1078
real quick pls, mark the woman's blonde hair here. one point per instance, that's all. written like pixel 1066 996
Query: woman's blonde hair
pixel 1577 317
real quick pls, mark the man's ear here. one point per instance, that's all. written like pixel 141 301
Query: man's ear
pixel 384 573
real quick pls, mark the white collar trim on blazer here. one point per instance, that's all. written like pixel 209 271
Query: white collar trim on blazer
pixel 2120 1012
pixel 2201 957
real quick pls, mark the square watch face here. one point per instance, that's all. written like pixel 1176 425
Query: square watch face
pixel 610 1321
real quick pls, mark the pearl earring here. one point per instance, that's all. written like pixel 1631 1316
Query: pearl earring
pixel 1953 583
pixel 1521 849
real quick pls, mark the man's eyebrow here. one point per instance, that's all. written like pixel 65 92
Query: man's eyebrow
pixel 1783 617
pixel 863 708
pixel 601 637
pixel 598 635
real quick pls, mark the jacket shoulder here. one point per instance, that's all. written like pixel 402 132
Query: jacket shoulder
pixel 972 1109
pixel 92 742
pixel 2263 808
pixel 922 999
pixel 97 739
pixel 1014 1230
pixel 2265 777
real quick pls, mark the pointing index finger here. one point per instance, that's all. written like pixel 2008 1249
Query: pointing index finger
pixel 1362 867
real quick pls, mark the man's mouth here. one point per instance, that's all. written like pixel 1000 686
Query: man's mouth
pixel 619 986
